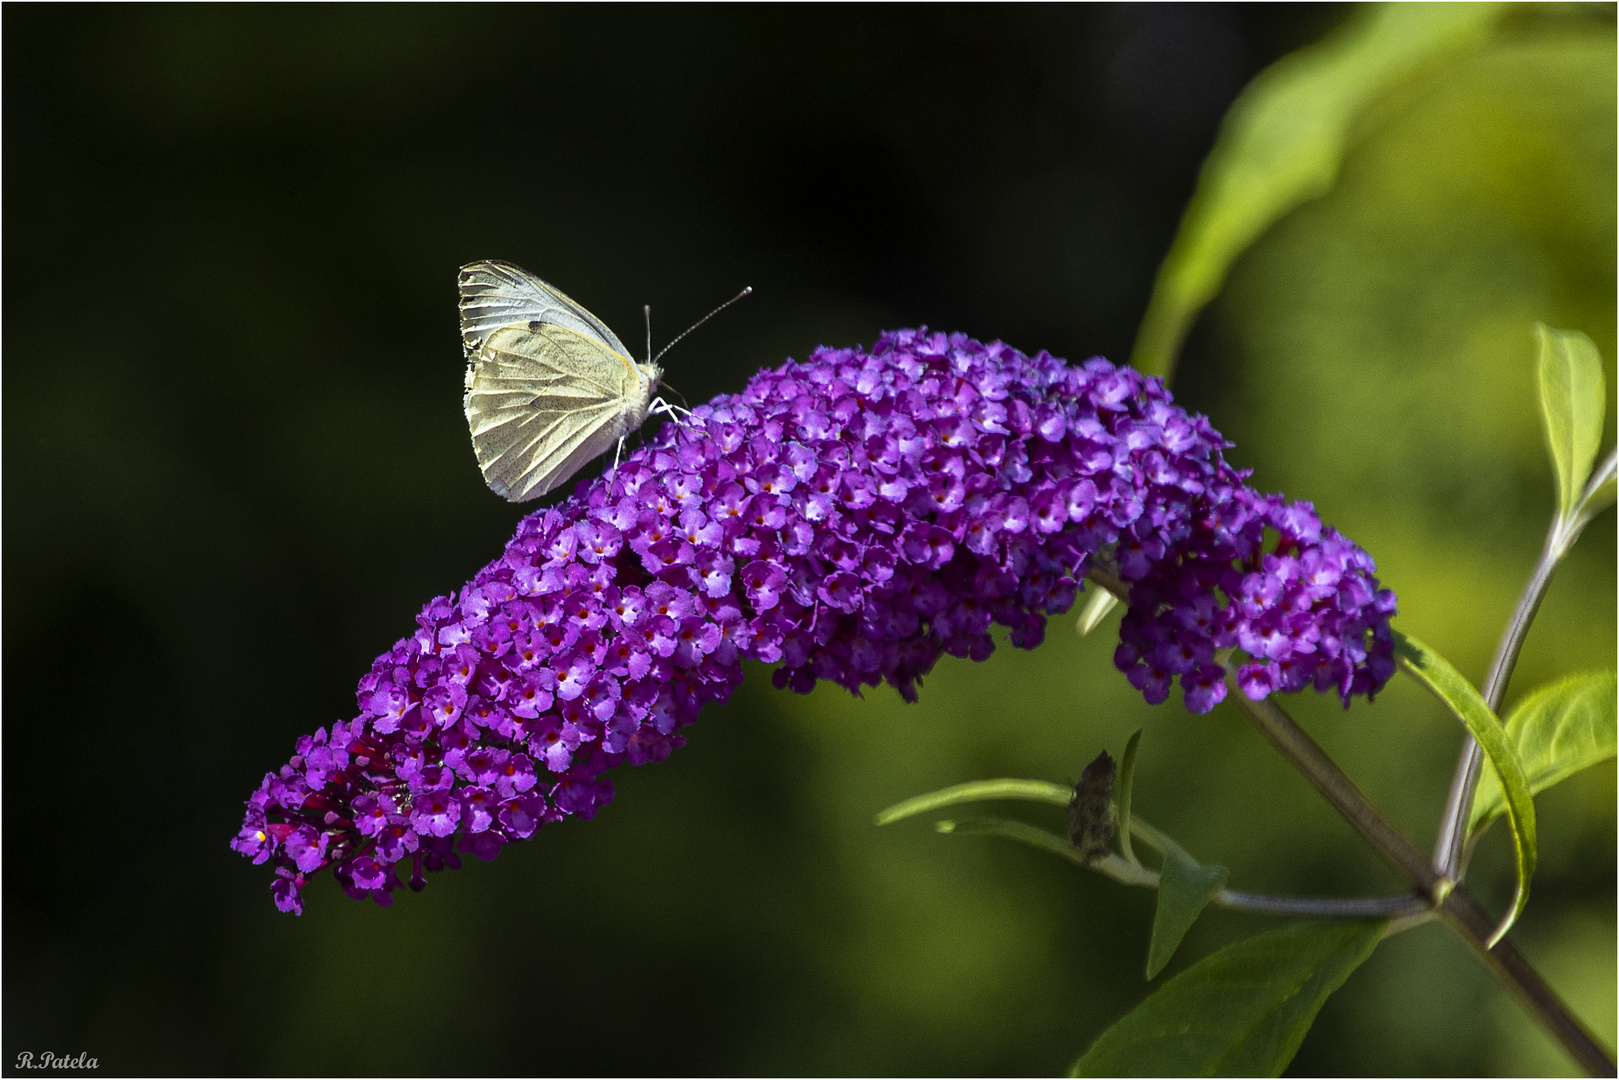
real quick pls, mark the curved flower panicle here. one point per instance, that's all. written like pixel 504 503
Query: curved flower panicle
pixel 849 518
pixel 1307 611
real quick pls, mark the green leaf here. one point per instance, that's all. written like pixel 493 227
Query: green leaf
pixel 1557 730
pixel 1281 145
pixel 1573 396
pixel 1096 609
pixel 978 791
pixel 1127 777
pixel 1021 831
pixel 1241 1012
pixel 1185 888
pixel 1024 833
pixel 1450 687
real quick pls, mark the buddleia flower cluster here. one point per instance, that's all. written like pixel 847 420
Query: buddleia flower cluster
pixel 850 518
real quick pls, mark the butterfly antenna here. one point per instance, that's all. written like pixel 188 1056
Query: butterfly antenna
pixel 694 325
pixel 648 310
pixel 664 383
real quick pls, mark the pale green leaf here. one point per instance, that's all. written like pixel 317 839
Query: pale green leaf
pixel 1557 730
pixel 978 791
pixel 1021 831
pixel 1095 610
pixel 1241 1012
pixel 1114 867
pixel 1452 688
pixel 1185 887
pixel 1281 145
pixel 1573 397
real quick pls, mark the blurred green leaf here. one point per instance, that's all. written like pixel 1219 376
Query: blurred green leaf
pixel 1185 887
pixel 1282 143
pixel 1127 775
pixel 1452 688
pixel 1557 730
pixel 1572 400
pixel 1241 1012
pixel 977 791
pixel 1096 609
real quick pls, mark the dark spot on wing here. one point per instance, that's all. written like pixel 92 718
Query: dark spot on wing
pixel 534 324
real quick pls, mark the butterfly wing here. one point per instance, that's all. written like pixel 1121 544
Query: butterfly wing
pixel 496 294
pixel 542 402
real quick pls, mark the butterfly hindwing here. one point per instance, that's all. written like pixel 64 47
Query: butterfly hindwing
pixel 542 402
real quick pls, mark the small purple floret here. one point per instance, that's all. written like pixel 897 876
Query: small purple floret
pixel 849 518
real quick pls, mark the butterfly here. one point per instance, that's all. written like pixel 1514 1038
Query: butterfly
pixel 549 387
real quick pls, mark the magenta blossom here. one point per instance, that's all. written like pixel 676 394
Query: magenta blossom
pixel 848 518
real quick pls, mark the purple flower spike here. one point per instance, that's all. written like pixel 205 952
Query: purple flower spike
pixel 849 518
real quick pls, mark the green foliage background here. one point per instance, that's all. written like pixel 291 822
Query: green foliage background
pixel 235 466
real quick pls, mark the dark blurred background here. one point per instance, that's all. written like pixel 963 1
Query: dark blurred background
pixel 235 466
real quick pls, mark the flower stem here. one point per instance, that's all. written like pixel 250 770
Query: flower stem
pixel 1306 755
pixel 1110 581
pixel 1448 848
pixel 1462 913
pixel 1404 906
pixel 1455 904
pixel 1451 848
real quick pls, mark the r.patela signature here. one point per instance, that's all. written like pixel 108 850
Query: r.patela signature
pixel 28 1060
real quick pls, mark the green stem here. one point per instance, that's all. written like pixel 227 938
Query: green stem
pixel 1455 904
pixel 1404 906
pixel 1452 840
pixel 1131 873
pixel 1451 848
pixel 1110 581
pixel 1306 755
pixel 1153 838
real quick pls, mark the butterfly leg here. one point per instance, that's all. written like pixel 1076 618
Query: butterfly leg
pixel 674 412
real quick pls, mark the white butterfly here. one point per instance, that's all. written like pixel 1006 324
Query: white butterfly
pixel 549 386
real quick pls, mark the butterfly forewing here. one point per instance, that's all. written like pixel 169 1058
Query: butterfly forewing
pixel 496 294
pixel 543 401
